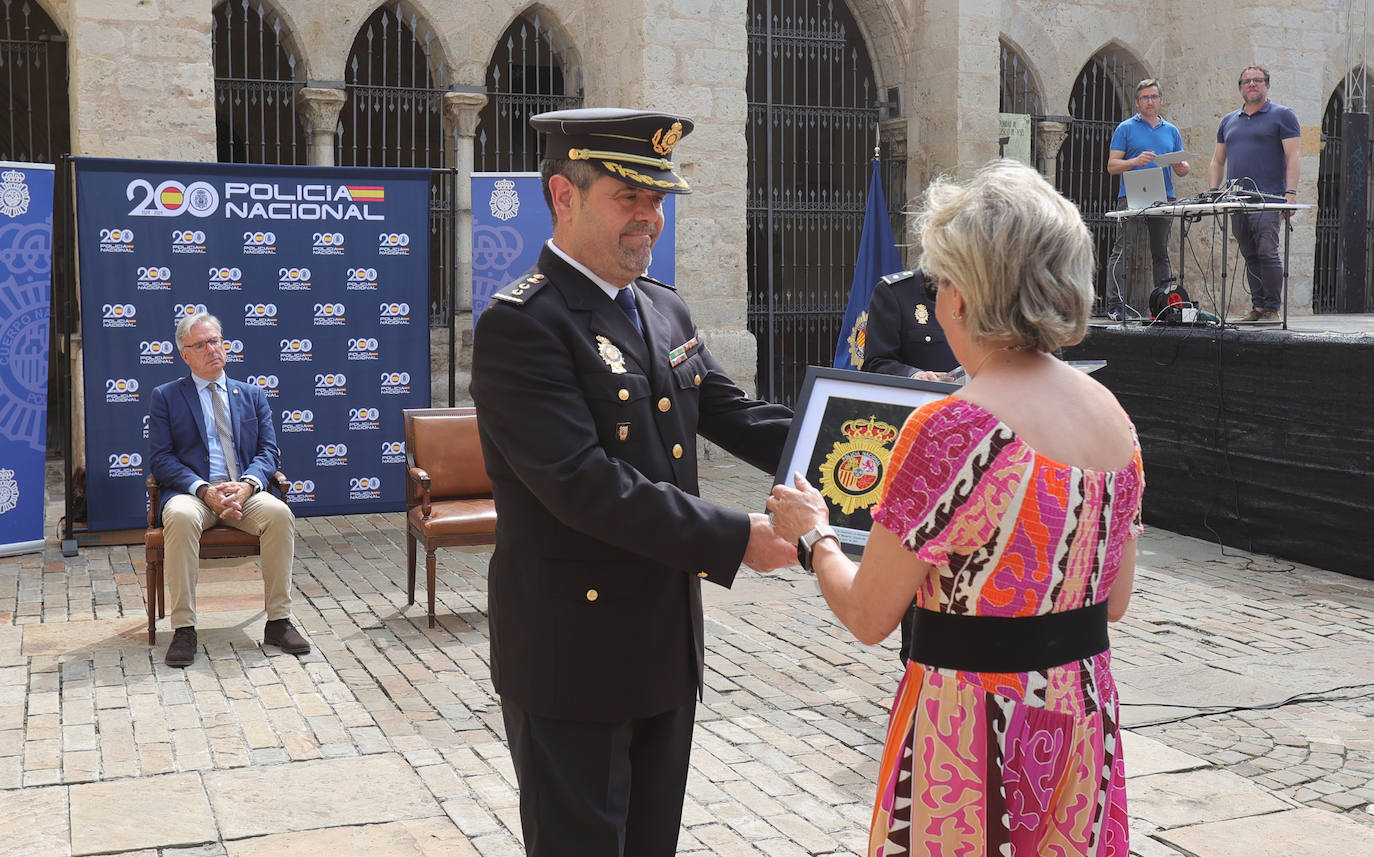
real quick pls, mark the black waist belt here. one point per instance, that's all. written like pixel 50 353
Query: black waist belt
pixel 1008 645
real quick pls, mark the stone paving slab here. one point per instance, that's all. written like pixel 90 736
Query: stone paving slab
pixel 1292 833
pixel 1179 799
pixel 34 821
pixel 1161 692
pixel 1145 756
pixel 1324 667
pixel 318 794
pixel 424 838
pixel 148 812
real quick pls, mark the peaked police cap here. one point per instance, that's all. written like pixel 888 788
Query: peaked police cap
pixel 632 146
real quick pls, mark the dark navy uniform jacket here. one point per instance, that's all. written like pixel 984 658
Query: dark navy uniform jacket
pixel 903 336
pixel 589 435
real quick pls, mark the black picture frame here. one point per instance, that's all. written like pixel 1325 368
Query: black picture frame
pixel 841 438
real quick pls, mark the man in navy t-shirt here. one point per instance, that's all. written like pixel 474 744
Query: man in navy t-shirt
pixel 1258 145
pixel 1135 144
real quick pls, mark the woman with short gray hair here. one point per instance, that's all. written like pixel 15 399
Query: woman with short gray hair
pixel 1010 512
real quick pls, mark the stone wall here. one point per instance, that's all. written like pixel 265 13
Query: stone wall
pixel 142 82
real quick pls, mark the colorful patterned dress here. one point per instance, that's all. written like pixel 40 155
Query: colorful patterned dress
pixel 1011 764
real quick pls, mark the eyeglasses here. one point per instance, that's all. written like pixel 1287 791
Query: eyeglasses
pixel 1246 81
pixel 1148 97
pixel 215 343
pixel 931 285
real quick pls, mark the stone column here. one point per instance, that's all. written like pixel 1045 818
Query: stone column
pixel 319 112
pixel 1052 135
pixel 461 110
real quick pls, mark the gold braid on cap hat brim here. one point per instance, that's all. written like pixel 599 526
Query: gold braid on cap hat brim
pixel 611 161
pixel 594 155
pixel 627 173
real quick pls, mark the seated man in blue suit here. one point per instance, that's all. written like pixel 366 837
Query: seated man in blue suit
pixel 212 446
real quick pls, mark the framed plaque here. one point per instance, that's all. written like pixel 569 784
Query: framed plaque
pixel 842 437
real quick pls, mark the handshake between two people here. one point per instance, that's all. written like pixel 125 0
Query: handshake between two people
pixel 792 511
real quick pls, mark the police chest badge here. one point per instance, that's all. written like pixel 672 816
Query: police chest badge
pixel 922 314
pixel 611 354
pixel 852 475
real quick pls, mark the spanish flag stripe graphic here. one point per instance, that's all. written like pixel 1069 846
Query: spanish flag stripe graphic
pixel 365 193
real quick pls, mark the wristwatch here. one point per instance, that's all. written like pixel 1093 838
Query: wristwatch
pixel 807 543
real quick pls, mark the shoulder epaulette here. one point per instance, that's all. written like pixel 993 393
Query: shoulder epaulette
pixel 893 279
pixel 649 279
pixel 522 289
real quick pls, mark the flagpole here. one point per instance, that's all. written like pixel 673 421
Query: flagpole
pixel 877 256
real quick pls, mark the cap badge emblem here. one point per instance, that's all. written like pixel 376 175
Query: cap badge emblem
pixel 664 142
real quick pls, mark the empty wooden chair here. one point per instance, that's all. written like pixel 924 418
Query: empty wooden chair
pixel 448 494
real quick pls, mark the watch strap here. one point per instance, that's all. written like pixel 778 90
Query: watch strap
pixel 806 545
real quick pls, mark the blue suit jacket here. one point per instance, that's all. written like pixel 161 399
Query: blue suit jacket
pixel 178 453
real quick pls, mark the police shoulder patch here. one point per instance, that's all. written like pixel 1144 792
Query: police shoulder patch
pixel 893 279
pixel 649 279
pixel 522 289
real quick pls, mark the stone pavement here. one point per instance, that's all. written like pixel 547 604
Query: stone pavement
pixel 1247 683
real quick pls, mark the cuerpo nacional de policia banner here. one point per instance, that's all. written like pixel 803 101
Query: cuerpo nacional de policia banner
pixel 319 276
pixel 511 222
pixel 26 195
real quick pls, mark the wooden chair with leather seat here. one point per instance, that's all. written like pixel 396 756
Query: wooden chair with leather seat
pixel 448 493
pixel 217 543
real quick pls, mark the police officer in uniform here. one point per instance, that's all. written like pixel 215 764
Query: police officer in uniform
pixel 591 383
pixel 902 337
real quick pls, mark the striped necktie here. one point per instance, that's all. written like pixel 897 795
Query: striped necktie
pixel 226 436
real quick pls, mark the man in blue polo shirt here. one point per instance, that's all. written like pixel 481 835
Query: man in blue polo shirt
pixel 1135 144
pixel 1258 146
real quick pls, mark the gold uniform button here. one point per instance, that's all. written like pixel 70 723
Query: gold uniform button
pixel 665 405
pixel 701 574
pixel 927 339
pixel 677 450
pixel 697 380
pixel 624 394
pixel 592 595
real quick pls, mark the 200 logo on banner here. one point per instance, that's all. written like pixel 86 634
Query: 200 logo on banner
pixel 171 198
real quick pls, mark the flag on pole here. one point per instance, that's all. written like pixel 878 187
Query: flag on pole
pixel 877 256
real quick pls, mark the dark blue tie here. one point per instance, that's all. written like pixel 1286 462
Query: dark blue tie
pixel 625 299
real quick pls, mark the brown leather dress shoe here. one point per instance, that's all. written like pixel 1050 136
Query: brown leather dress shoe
pixel 182 650
pixel 282 634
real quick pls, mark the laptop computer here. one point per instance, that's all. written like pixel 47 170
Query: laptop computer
pixel 1144 188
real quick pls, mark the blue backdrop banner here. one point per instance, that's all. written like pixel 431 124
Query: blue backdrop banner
pixel 319 276
pixel 510 223
pixel 25 286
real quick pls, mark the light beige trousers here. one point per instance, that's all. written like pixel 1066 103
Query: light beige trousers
pixel 185 517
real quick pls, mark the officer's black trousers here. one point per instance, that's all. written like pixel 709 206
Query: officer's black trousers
pixel 600 789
